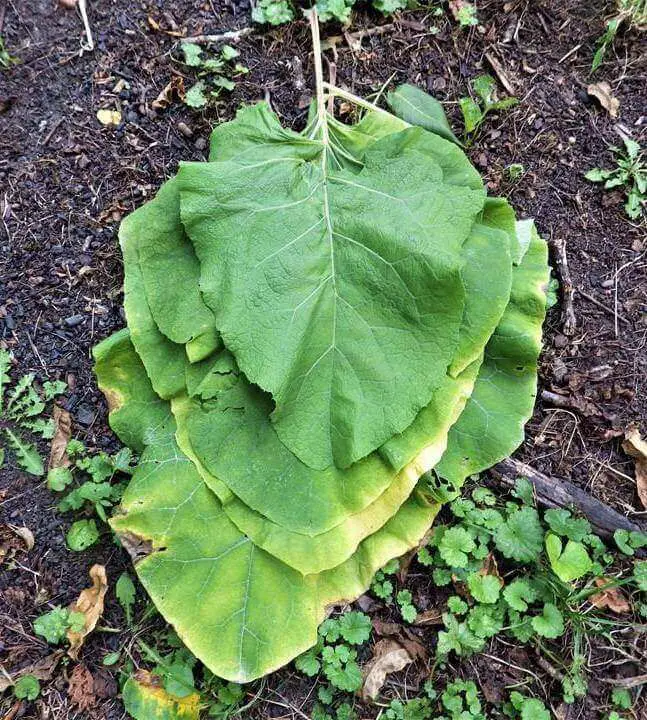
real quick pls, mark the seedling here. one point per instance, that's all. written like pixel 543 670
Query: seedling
pixel 633 13
pixel 215 73
pixel 91 481
pixel 630 174
pixel 6 60
pixel 21 407
pixel 54 625
pixel 475 111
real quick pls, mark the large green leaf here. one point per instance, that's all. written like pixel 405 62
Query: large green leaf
pixel 169 267
pixel 491 426
pixel 164 360
pixel 312 554
pixel 238 609
pixel 317 275
pixel 137 414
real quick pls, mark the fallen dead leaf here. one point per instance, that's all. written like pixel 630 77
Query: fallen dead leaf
pixel 90 603
pixel 636 448
pixel 173 92
pixel 13 539
pixel 612 598
pixel 601 91
pixel 403 636
pixel 108 117
pixel 68 4
pixel 41 670
pixel 81 688
pixel 388 657
pixel 62 434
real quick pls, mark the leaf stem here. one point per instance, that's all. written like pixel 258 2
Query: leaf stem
pixel 360 102
pixel 319 81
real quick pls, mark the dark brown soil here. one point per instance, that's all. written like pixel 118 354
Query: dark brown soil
pixel 66 181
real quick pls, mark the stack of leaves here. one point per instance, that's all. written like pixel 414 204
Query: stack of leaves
pixel 328 331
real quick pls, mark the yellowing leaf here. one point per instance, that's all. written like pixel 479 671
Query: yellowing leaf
pixel 145 699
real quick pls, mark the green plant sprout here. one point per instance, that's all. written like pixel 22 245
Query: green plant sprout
pixel 630 174
pixel 475 111
pixel 21 407
pixel 6 60
pixel 215 73
pixel 632 13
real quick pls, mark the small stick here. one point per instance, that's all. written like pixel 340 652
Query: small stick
pixel 86 24
pixel 602 306
pixel 500 73
pixel 568 313
pixel 231 35
pixel 553 492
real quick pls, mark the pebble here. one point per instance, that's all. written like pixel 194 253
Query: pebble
pixel 73 320
pixel 185 129
pixel 84 415
pixel 201 143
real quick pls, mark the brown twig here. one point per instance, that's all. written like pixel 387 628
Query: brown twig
pixel 602 306
pixel 500 73
pixel 555 493
pixel 569 319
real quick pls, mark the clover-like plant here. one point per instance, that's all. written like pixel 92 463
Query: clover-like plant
pixel 316 320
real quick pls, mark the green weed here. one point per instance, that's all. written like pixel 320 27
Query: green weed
pixel 475 110
pixel 215 73
pixel 21 407
pixel 630 174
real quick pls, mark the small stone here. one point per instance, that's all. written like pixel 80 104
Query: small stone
pixel 185 129
pixel 73 320
pixel 84 415
pixel 560 341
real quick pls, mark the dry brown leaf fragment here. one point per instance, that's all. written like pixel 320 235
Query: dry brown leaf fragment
pixel 172 92
pixel 90 603
pixel 601 91
pixel 68 4
pixel 636 448
pixel 388 657
pixel 13 539
pixel 612 598
pixel 62 434
pixel 81 688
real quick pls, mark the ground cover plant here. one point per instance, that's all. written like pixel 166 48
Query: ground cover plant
pixel 368 317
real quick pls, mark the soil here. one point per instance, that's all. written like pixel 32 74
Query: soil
pixel 66 180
